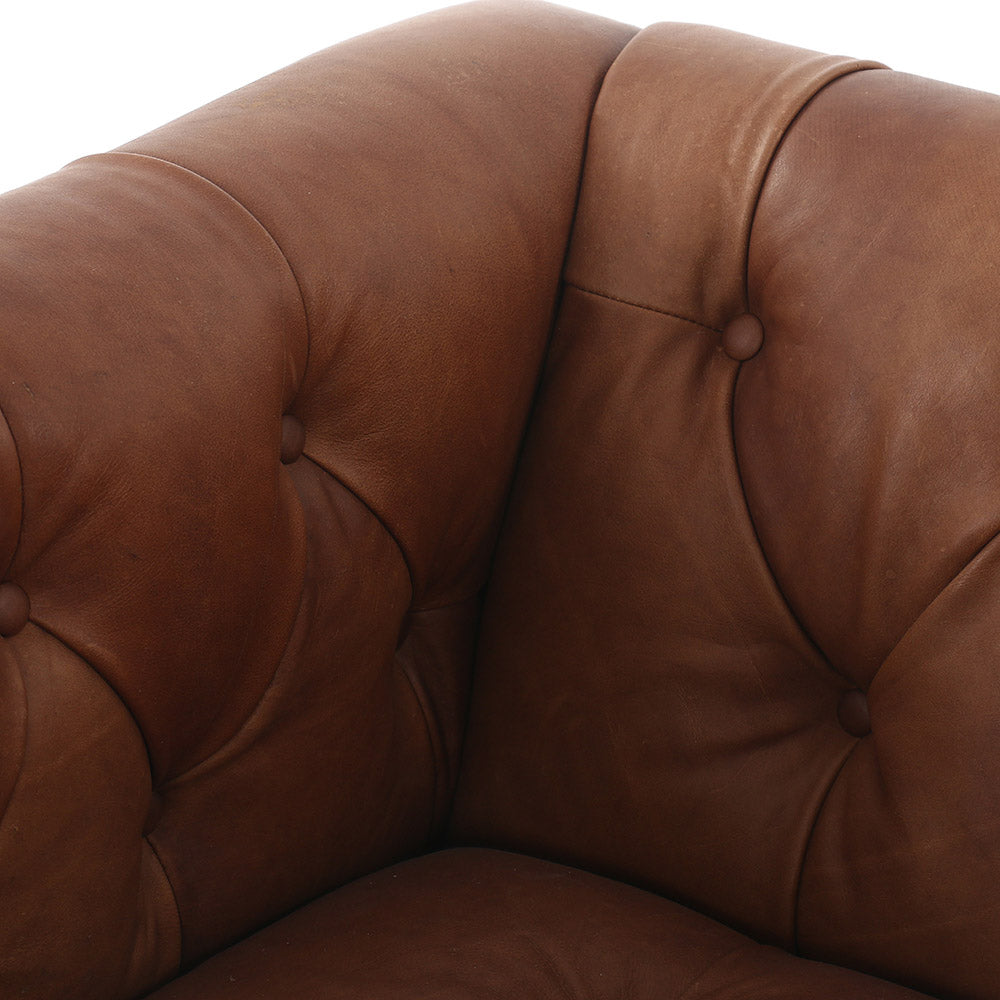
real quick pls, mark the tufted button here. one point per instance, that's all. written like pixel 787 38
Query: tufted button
pixel 14 609
pixel 852 713
pixel 743 337
pixel 293 439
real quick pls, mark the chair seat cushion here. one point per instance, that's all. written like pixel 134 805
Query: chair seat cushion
pixel 471 923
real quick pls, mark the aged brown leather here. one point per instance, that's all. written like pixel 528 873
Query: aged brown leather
pixel 510 432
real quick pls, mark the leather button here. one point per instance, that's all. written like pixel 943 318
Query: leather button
pixel 14 609
pixel 852 713
pixel 743 337
pixel 293 439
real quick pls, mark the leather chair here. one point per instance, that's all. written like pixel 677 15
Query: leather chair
pixel 509 506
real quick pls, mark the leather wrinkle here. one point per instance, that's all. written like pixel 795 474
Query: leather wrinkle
pixel 178 965
pixel 688 991
pixel 257 707
pixel 20 476
pixel 642 305
pixel 548 961
pixel 383 524
pixel 435 731
pixel 813 826
pixel 751 304
pixel 260 225
pixel 993 539
pixel 128 708
pixel 258 599
pixel 426 609
pixel 761 551
pixel 254 712
pixel 562 284
pixel 848 71
pixel 536 394
pixel 4 804
pixel 435 740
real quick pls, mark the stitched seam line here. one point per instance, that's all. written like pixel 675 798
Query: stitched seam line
pixel 809 839
pixel 642 305
pixel 259 224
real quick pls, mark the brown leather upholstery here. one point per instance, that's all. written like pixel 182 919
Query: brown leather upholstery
pixel 706 323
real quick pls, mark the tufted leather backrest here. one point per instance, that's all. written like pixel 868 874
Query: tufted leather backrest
pixel 740 643
pixel 265 374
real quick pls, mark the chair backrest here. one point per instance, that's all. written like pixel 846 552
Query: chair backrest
pixel 264 374
pixel 741 642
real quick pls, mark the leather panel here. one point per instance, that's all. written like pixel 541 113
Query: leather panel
pixel 682 135
pixel 484 925
pixel 91 907
pixel 419 249
pixel 644 704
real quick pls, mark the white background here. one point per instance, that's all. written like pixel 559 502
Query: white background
pixel 81 77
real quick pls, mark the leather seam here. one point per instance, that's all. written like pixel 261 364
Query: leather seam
pixel 848 69
pixel 761 551
pixel 642 305
pixel 252 713
pixel 434 743
pixel 173 896
pixel 20 483
pixel 807 844
pixel 15 784
pixel 699 978
pixel 447 604
pixel 962 570
pixel 52 634
pixel 374 513
pixel 260 225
